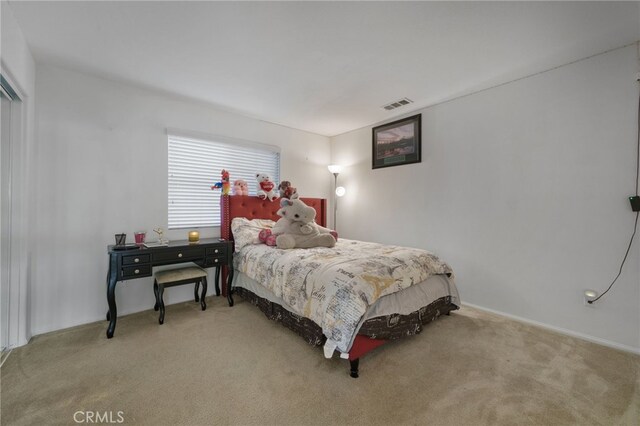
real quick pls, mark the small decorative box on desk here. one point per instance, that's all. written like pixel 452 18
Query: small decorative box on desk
pixel 139 262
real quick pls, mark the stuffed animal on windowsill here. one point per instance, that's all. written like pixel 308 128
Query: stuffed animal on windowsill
pixel 240 187
pixel 224 184
pixel 296 228
pixel 286 190
pixel 266 187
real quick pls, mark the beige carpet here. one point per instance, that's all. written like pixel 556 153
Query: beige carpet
pixel 234 366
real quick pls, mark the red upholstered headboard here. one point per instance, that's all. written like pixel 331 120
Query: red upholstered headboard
pixel 253 207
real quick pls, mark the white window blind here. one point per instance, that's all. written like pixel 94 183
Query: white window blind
pixel 195 165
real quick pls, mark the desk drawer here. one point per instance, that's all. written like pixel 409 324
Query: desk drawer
pixel 136 259
pixel 215 260
pixel 217 251
pixel 179 255
pixel 136 271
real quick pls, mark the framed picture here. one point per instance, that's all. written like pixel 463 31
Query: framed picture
pixel 397 143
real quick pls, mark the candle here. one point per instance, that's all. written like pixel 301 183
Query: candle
pixel 194 236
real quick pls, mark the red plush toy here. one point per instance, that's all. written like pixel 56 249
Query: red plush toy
pixel 287 191
pixel 267 237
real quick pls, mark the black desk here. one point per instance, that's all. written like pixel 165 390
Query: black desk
pixel 139 262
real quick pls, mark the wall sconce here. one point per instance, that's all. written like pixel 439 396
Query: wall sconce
pixel 339 190
pixel 590 296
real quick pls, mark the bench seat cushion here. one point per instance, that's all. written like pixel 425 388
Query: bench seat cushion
pixel 180 274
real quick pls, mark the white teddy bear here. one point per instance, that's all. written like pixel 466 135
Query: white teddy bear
pixel 297 229
pixel 267 188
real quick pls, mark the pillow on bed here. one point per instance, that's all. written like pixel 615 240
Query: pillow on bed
pixel 245 231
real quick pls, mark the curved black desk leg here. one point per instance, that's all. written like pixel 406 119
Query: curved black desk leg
pixel 161 296
pixel 112 280
pixel 113 311
pixel 229 283
pixel 217 280
pixel 108 274
pixel 155 292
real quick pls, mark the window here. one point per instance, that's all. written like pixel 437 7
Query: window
pixel 195 165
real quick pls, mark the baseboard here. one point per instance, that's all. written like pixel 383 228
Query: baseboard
pixel 560 330
pixel 23 340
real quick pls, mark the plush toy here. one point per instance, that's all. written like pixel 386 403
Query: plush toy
pixel 225 184
pixel 287 191
pixel 267 237
pixel 296 227
pixel 240 187
pixel 266 187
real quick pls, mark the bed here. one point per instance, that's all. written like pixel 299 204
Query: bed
pixel 350 299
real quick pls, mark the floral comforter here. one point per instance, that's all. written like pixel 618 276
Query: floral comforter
pixel 335 286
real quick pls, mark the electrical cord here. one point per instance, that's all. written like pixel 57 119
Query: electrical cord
pixel 635 226
pixel 638 147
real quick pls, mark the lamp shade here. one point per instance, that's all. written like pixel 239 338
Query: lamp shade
pixel 334 168
pixel 340 191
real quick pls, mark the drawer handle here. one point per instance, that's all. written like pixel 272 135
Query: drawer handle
pixel 179 254
pixel 216 261
pixel 215 251
pixel 137 271
pixel 136 260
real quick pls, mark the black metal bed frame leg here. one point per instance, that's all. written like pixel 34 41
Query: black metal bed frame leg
pixel 355 363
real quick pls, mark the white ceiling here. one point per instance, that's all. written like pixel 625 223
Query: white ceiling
pixel 324 67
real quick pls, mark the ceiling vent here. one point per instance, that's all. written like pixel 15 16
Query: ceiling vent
pixel 397 104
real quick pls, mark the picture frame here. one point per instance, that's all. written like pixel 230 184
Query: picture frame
pixel 397 143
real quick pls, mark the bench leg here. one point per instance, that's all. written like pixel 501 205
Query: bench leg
pixel 204 293
pixel 161 297
pixel 155 291
pixel 195 291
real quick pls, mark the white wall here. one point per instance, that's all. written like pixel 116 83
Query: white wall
pixel 14 52
pixel 102 169
pixel 523 190
pixel 18 67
